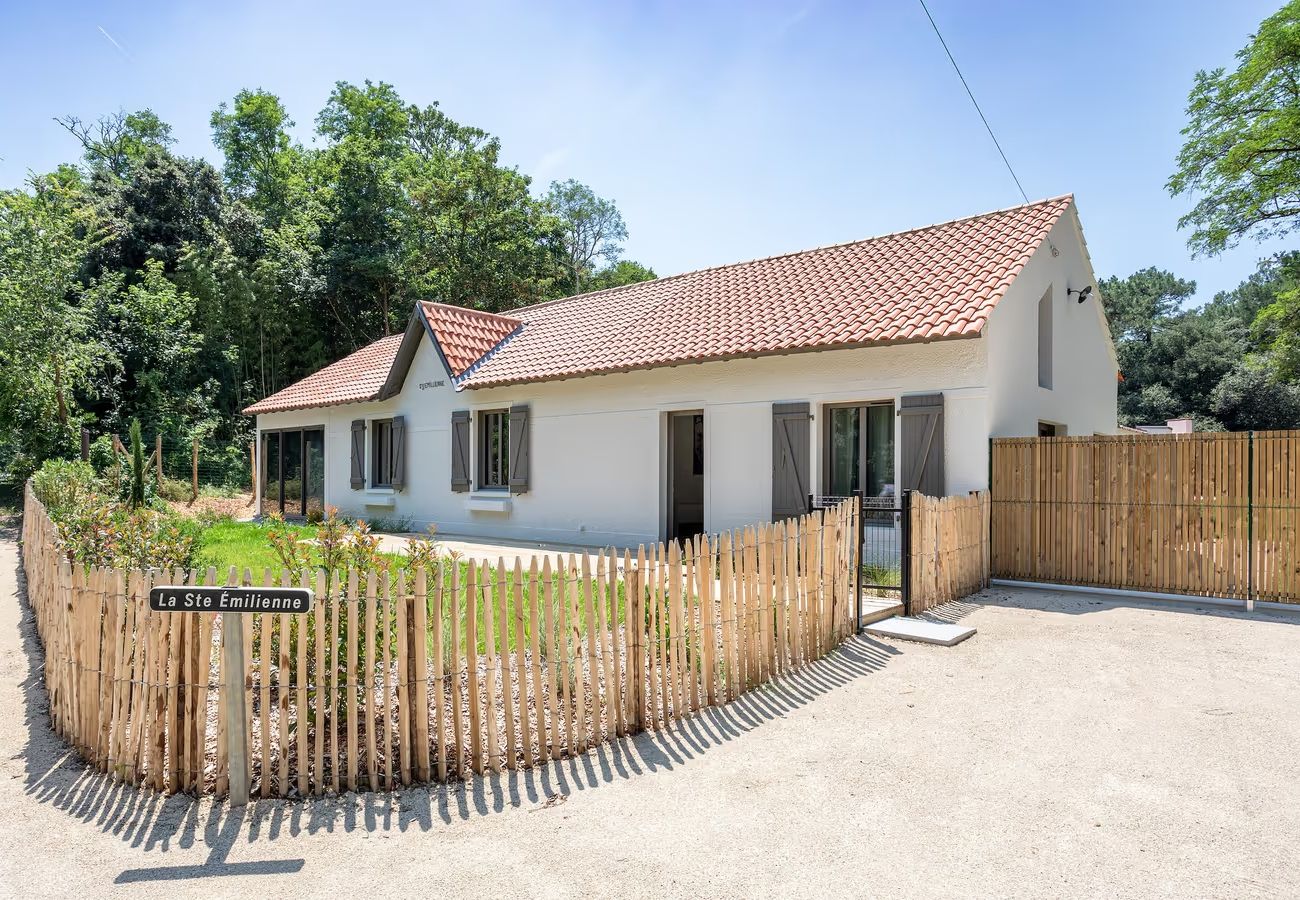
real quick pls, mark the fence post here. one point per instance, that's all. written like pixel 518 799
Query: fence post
pixel 905 568
pixel 232 640
pixel 1250 521
pixel 194 470
pixel 856 559
pixel 158 455
pixel 85 445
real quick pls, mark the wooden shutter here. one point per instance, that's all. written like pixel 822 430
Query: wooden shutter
pixel 790 482
pixel 358 454
pixel 921 436
pixel 520 439
pixel 397 453
pixel 460 468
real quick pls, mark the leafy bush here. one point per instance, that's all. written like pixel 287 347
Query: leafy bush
pixel 176 490
pixel 63 485
pixel 390 524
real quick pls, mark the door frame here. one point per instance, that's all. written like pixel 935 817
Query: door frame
pixel 669 519
pixel 302 467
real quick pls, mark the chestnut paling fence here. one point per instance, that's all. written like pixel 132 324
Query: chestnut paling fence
pixel 423 676
pixel 950 554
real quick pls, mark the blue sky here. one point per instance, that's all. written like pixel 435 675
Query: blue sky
pixel 724 131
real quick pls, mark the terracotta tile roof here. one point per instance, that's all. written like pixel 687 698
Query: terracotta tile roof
pixel 352 379
pixel 466 335
pixel 931 283
pixel 941 281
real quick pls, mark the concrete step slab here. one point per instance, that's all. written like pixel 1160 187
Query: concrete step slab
pixel 906 628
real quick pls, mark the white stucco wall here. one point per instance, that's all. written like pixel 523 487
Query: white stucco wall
pixel 1084 382
pixel 598 444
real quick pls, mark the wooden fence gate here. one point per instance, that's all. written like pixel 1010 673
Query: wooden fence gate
pixel 1199 514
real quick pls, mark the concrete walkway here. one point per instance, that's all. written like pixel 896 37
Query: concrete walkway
pixel 1076 747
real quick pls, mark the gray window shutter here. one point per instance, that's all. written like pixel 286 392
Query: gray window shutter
pixel 790 482
pixel 398 450
pixel 358 454
pixel 520 440
pixel 460 451
pixel 922 443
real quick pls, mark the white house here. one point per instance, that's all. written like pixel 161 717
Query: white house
pixel 712 399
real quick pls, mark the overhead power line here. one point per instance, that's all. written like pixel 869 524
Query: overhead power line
pixel 970 93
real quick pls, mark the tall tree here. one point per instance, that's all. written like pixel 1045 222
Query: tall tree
pixel 260 159
pixel 621 273
pixel 114 143
pixel 1241 153
pixel 366 128
pixel 591 228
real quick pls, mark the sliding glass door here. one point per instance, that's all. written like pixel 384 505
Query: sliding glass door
pixel 293 471
pixel 859 450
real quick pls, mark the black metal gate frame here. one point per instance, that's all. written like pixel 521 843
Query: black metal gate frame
pixel 902 508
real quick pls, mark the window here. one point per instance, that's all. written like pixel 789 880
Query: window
pixel 1050 429
pixel 859 450
pixel 494 449
pixel 381 446
pixel 293 470
pixel 1045 340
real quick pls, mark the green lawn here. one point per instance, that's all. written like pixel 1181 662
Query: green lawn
pixel 245 545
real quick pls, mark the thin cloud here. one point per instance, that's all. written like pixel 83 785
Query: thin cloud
pixel 112 40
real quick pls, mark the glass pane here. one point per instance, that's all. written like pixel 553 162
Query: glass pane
pixel 315 442
pixel 291 460
pixel 845 444
pixel 270 472
pixel 880 451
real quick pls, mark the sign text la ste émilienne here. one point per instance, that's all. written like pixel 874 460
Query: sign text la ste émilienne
pixel 182 598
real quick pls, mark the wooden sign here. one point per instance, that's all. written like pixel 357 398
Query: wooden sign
pixel 182 598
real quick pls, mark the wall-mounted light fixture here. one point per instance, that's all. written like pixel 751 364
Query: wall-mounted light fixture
pixel 1083 294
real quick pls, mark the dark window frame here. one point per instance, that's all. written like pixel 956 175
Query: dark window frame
pixel 381 458
pixel 864 459
pixel 279 462
pixel 493 464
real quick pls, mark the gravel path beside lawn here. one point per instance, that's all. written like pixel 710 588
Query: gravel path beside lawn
pixel 1074 747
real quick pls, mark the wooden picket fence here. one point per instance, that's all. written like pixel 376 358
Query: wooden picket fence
pixel 1200 514
pixel 950 549
pixel 417 677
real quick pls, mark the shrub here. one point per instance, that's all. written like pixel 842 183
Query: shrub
pixel 136 497
pixel 390 524
pixel 176 490
pixel 62 485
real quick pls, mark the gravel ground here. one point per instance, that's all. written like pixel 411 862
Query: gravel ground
pixel 1074 747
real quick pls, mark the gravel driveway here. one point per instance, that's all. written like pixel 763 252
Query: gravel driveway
pixel 1074 747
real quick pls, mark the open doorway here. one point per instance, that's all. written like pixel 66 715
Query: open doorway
pixel 685 474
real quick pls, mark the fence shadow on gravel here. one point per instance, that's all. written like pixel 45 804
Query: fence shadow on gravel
pixel 153 821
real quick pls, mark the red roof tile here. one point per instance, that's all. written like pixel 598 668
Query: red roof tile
pixel 466 335
pixel 931 283
pixel 350 380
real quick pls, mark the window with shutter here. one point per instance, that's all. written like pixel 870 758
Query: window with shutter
pixel 397 464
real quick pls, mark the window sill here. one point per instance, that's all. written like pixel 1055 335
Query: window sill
pixel 488 501
pixel 384 498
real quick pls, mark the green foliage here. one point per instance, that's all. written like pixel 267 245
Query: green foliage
pixel 138 478
pixel 590 229
pixel 621 273
pixel 1241 154
pixel 144 284
pixel 63 485
pixel 1218 364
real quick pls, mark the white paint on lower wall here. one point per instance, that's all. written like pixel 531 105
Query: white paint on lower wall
pixel 598 451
